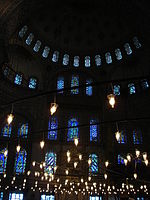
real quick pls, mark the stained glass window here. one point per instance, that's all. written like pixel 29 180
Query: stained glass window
pixel 23 130
pixel 75 82
pixel 137 137
pixel 50 162
pixel 37 46
pixel 93 168
pixel 118 54
pixel 76 61
pixel 18 79
pixel 16 196
pixel 1 195
pixel 98 61
pixel 108 58
pixel 3 160
pixel 20 162
pixel 60 84
pixel 144 84
pixel 89 87
pixel 116 90
pixel 55 56
pixel 120 160
pixel 93 130
pixel 123 137
pixel 52 125
pixel 131 87
pixel 46 52
pixel 87 61
pixel 72 132
pixel 29 39
pixel 32 83
pixel 95 198
pixel 23 31
pixel 6 130
pixel 136 42
pixel 47 197
pixel 65 59
pixel 140 198
pixel 128 49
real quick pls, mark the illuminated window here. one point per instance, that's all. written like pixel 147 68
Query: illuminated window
pixel 37 46
pixel 55 56
pixel 1 195
pixel 120 160
pixel 18 79
pixel 89 87
pixel 98 61
pixel 137 137
pixel 95 198
pixel 16 196
pixel 32 83
pixel 93 168
pixel 60 84
pixel 123 138
pixel 75 82
pixel 29 39
pixel 93 130
pixel 52 125
pixel 50 162
pixel 6 130
pixel 118 54
pixel 3 161
pixel 108 58
pixel 23 130
pixel 46 52
pixel 76 61
pixel 87 61
pixel 136 42
pixel 144 84
pixel 23 31
pixel 20 162
pixel 66 59
pixel 116 90
pixel 140 198
pixel 47 197
pixel 128 49
pixel 72 132
pixel 131 88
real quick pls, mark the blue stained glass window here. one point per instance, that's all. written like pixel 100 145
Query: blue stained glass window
pixel 98 61
pixel 137 137
pixel 3 161
pixel 65 59
pixel 118 54
pixel 23 31
pixel 136 42
pixel 23 130
pixel 123 138
pixel 93 130
pixel 47 197
pixel 16 196
pixel 6 130
pixel 120 160
pixel 128 49
pixel 140 198
pixel 76 61
pixel 87 61
pixel 55 56
pixel 1 195
pixel 18 79
pixel 52 125
pixel 144 84
pixel 60 84
pixel 46 52
pixel 131 87
pixel 89 89
pixel 108 58
pixel 116 90
pixel 37 46
pixel 50 162
pixel 72 132
pixel 95 198
pixel 29 39
pixel 75 82
pixel 93 168
pixel 20 162
pixel 32 83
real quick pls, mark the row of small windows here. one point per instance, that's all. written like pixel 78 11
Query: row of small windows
pixel 76 60
pixel 122 162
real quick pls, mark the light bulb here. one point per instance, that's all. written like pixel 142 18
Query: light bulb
pixel 44 164
pixel 125 162
pixel 67 172
pixel 135 175
pixel 89 178
pixel 10 118
pixel 105 176
pixel 145 156
pixel 76 141
pixel 68 153
pixel 80 156
pixel 146 162
pixel 68 159
pixel 111 99
pixel 42 143
pixel 117 134
pixel 29 172
pixel 137 152
pixel 33 163
pixel 82 180
pixel 89 161
pixel 53 108
pixel 18 148
pixel 41 166
pixel 129 157
pixel 106 163
pixel 5 152
pixel 75 164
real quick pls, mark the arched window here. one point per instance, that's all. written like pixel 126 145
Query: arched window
pixel 52 124
pixel 98 61
pixel 23 130
pixel 32 83
pixel 136 42
pixel 50 162
pixel 3 160
pixel 18 79
pixel 1 195
pixel 16 196
pixel 46 52
pixel 137 137
pixel 55 56
pixel 108 58
pixel 65 59
pixel 47 197
pixel 128 49
pixel 29 39
pixel 37 46
pixel 72 132
pixel 116 90
pixel 145 84
pixel 120 160
pixel 76 61
pixel 93 131
pixel 6 130
pixel 87 61
pixel 20 162
pixel 89 88
pixel 93 168
pixel 131 88
pixel 118 54
pixel 23 31
pixel 60 84
pixel 123 138
pixel 75 82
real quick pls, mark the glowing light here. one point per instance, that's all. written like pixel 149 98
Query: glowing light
pixel 6 153
pixel 53 108
pixel 125 162
pixel 42 143
pixel 75 164
pixel 33 163
pixel 76 141
pixel 137 152
pixel 68 159
pixel 80 156
pixel 129 157
pixel 89 178
pixel 111 99
pixel 117 134
pixel 146 162
pixel 145 156
pixel 106 163
pixel 135 175
pixel 28 173
pixel 18 148
pixel 67 172
pixel 10 118
pixel 68 153
pixel 105 176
